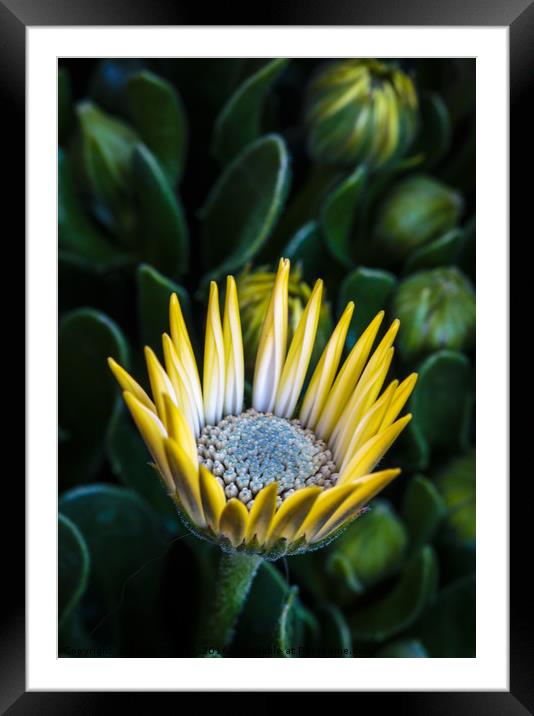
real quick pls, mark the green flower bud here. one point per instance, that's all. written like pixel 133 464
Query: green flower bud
pixel 360 111
pixel 437 310
pixel 457 486
pixel 417 210
pixel 103 151
pixel 371 550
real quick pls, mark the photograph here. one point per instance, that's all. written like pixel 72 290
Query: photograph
pixel 266 307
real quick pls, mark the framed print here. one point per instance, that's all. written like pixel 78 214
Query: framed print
pixel 267 375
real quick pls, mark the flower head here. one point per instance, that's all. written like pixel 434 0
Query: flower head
pixel 289 472
pixel 362 110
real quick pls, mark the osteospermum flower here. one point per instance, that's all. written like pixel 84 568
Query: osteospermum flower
pixel 289 472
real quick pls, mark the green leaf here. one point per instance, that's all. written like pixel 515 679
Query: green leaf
pixel 304 206
pixel 272 623
pixel 336 639
pixel 434 137
pixel 370 290
pixel 166 237
pixel 306 249
pixel 159 117
pixel 448 627
pixel 343 577
pixel 440 252
pixel 73 566
pixel 87 390
pixel 130 462
pixel 244 205
pixel 457 485
pixel 239 121
pixel 372 549
pixel 403 649
pixel 423 510
pixel 153 295
pixel 338 214
pixel 104 147
pixel 65 111
pixel 411 451
pixel 388 616
pixel 75 230
pixel 286 624
pixel 442 400
pixel 126 544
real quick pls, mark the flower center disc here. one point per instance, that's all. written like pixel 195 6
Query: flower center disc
pixel 248 452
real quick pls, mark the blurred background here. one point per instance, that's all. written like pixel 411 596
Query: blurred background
pixel 175 172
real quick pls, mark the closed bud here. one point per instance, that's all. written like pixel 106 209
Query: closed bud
pixel 437 310
pixel 417 210
pixel 360 111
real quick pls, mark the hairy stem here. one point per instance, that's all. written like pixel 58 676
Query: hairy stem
pixel 235 577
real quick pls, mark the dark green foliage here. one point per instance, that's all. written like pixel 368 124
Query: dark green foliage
pixel 172 173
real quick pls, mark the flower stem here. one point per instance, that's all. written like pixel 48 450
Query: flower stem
pixel 235 577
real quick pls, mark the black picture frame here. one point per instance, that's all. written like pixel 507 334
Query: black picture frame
pixel 518 15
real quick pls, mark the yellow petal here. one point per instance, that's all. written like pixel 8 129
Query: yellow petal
pixel 179 429
pixel 160 383
pixel 372 451
pixel 358 498
pixel 184 349
pixel 363 396
pixel 323 508
pixel 233 352
pixel 127 383
pixel 186 480
pixel 272 344
pixel 182 385
pixel 213 382
pixel 298 356
pixel 212 498
pixel 370 424
pixel 262 512
pixel 325 372
pixel 402 394
pixel 382 348
pixel 347 378
pixel 154 434
pixel 292 513
pixel 233 521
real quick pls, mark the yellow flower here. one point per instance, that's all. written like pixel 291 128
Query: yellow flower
pixel 291 471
